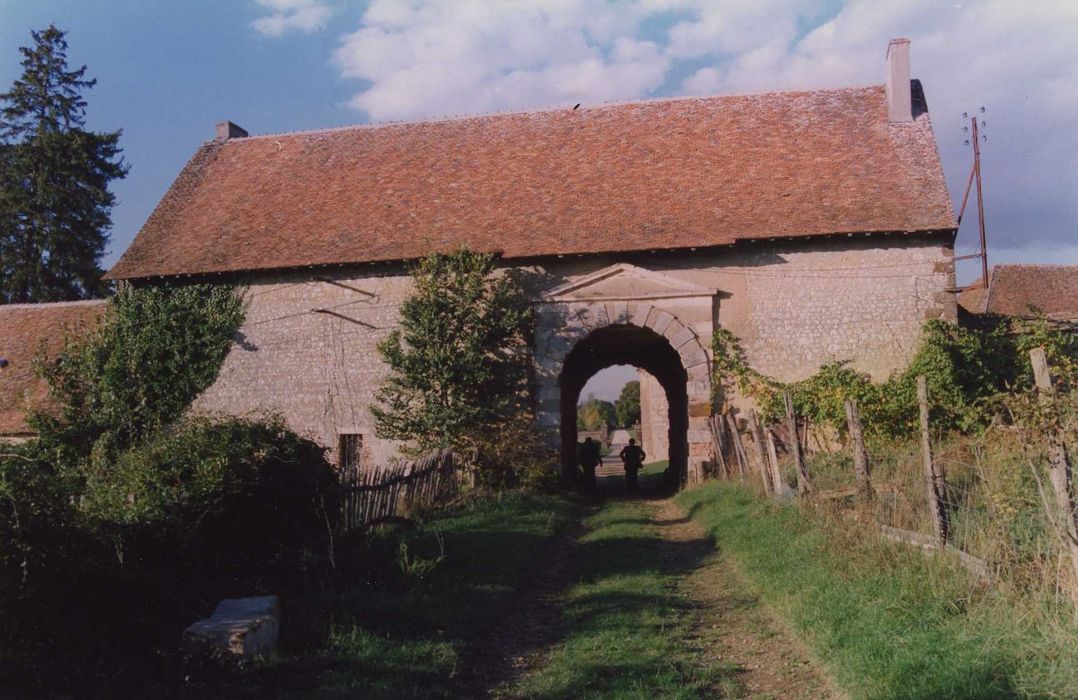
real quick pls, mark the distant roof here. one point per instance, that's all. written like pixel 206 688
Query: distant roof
pixel 661 174
pixel 25 331
pixel 1022 290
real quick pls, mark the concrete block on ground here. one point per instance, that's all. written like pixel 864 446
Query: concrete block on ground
pixel 240 628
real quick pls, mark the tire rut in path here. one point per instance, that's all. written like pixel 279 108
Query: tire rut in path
pixel 728 623
pixel 503 656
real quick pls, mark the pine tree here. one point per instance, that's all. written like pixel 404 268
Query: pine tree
pixel 55 203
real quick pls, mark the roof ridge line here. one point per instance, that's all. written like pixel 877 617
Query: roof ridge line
pixel 544 110
pixel 53 304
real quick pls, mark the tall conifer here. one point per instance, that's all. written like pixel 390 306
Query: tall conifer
pixel 55 204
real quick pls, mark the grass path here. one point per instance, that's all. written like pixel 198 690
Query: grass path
pixel 656 612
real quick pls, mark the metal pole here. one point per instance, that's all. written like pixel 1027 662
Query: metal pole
pixel 965 197
pixel 980 203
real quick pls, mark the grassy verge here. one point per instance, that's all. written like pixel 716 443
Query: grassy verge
pixel 623 633
pixel 888 621
pixel 410 606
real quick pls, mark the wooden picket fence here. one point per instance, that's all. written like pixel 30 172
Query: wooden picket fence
pixel 400 488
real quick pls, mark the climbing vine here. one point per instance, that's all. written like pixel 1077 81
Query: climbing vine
pixel 966 368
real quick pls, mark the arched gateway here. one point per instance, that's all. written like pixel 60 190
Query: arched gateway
pixel 625 315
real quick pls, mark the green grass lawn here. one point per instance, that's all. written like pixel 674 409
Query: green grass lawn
pixel 624 624
pixel 888 621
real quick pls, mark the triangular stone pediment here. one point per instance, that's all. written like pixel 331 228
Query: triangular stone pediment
pixel 627 282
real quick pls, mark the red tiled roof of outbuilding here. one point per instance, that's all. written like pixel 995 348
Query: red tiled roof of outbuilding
pixel 1022 290
pixel 27 330
pixel 663 174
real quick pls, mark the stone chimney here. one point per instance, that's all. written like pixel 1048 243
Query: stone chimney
pixel 899 99
pixel 228 130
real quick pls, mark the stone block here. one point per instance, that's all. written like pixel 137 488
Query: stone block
pixel 699 373
pixel 700 409
pixel 617 312
pixel 660 321
pixel 597 316
pixel 638 313
pixel 240 628
pixel 700 449
pixel 692 354
pixel 682 335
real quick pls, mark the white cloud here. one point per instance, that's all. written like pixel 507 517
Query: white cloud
pixel 423 58
pixel 288 15
pixel 469 56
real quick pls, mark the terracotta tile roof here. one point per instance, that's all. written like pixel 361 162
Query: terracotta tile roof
pixel 671 173
pixel 1015 290
pixel 25 331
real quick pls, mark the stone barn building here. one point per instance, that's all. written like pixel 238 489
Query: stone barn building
pixel 816 226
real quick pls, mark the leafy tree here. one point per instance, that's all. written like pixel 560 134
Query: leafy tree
pixel 155 351
pixel 628 405
pixel 594 413
pixel 458 362
pixel 54 175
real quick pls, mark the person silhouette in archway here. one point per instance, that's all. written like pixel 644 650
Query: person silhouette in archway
pixel 633 458
pixel 589 458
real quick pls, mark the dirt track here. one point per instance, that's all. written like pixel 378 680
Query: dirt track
pixel 726 623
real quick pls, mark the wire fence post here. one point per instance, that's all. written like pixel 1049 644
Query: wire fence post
pixel 860 455
pixel 761 452
pixel 804 486
pixel 933 477
pixel 1059 468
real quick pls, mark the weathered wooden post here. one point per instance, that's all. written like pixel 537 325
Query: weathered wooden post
pixel 860 455
pixel 715 424
pixel 738 451
pixel 761 452
pixel 934 484
pixel 804 486
pixel 781 489
pixel 1059 469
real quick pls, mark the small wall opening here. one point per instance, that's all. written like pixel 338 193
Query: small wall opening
pixel 625 345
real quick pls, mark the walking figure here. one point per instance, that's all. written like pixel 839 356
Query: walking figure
pixel 589 458
pixel 633 457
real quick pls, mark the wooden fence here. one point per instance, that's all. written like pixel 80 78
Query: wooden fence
pixel 734 460
pixel 399 488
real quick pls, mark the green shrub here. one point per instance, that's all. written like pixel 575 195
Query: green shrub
pixel 964 369
pixel 234 504
pixel 156 349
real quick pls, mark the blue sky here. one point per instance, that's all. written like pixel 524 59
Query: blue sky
pixel 168 71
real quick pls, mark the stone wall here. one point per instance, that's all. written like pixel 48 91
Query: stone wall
pixel 654 418
pixel 307 349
